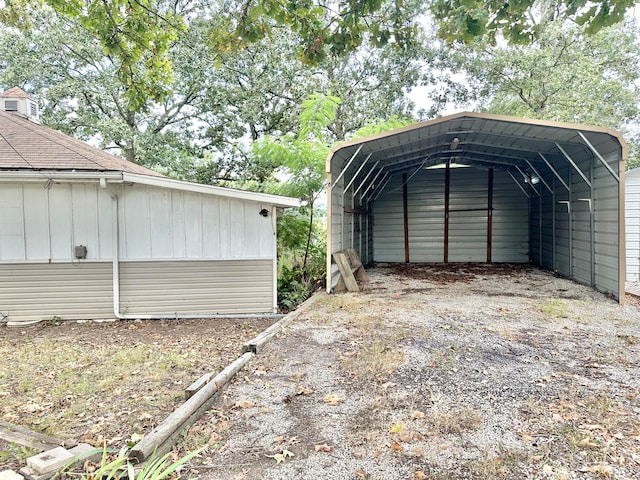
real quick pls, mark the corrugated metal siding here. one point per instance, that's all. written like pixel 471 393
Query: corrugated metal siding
pixel 425 204
pixel 388 223
pixel 175 288
pixel 581 224
pixel 510 226
pixel 607 254
pixel 468 202
pixel 468 229
pixel 562 254
pixel 632 216
pixel 40 291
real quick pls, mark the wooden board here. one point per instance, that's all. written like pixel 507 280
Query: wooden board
pixel 27 438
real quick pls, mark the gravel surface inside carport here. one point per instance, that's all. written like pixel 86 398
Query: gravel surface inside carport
pixel 440 372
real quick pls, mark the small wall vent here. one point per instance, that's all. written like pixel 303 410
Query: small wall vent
pixel 11 105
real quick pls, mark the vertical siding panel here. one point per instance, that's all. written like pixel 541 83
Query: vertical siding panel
pixel 225 227
pixel 61 222
pixel 236 229
pixel 211 229
pixel 85 226
pixel 105 224
pixel 252 221
pixel 36 222
pixel 177 224
pixel 12 232
pixel 161 237
pixel 193 224
pixel 137 223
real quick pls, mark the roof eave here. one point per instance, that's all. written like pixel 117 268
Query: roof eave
pixel 164 182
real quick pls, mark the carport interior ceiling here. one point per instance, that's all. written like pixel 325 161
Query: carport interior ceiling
pixel 484 188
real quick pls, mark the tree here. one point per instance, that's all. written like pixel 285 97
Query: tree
pixel 138 34
pixel 565 75
pixel 520 22
pixel 219 103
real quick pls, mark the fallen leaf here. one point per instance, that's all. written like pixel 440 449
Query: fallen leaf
pixel 214 438
pixel 136 437
pixel 323 448
pixel 361 473
pixel 397 428
pixel 279 439
pixel 395 446
pixel 547 469
pixel 244 404
pixel 357 454
pixel 419 475
pixel 304 390
pixel 281 457
pixel 332 399
pixel 417 414
pixel 405 437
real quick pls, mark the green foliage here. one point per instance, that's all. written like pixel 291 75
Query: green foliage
pixel 519 22
pixel 120 467
pixel 297 281
pixel 322 30
pixel 565 75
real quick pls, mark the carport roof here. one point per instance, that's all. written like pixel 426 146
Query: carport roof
pixel 515 144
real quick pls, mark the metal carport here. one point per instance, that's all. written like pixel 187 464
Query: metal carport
pixel 483 188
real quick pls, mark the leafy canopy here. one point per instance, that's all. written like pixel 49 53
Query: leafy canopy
pixel 519 21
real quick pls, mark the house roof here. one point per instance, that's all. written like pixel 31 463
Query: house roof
pixel 30 151
pixel 25 145
pixel 15 92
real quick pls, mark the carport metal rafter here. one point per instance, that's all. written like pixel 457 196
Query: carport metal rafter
pixel 482 187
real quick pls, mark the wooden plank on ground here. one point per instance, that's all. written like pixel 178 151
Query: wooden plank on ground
pixel 256 343
pixel 345 272
pixel 27 438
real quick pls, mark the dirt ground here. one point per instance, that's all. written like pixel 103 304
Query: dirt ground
pixel 104 383
pixel 432 372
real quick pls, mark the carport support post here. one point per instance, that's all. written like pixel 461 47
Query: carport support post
pixel 489 213
pixel 447 180
pixel 406 216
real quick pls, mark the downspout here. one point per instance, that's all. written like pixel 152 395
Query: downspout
pixel 116 276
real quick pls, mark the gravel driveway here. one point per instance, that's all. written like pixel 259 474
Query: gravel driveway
pixel 441 372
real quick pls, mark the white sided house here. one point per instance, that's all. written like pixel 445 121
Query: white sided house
pixel 632 214
pixel 87 235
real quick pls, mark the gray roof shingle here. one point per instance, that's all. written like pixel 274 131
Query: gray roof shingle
pixel 25 145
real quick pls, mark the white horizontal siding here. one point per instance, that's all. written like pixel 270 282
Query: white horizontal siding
pixel 196 287
pixel 632 217
pixel 34 292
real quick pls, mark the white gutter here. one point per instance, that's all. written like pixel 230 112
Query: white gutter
pixel 116 275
